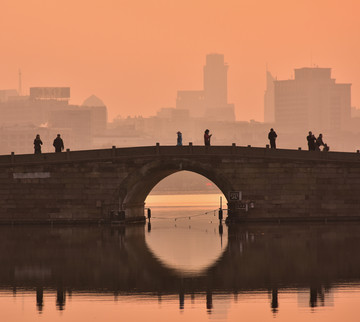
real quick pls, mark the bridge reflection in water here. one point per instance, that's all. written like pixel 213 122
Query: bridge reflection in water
pixel 117 260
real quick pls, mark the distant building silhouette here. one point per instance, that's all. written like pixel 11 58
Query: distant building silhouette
pixel 194 101
pixel 34 109
pixel 211 102
pixel 269 102
pixel 76 119
pixel 46 111
pixel 313 100
pixel 215 81
pixel 98 111
pixel 7 94
pixel 19 138
pixel 172 113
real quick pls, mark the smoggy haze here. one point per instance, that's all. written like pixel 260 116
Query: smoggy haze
pixel 135 55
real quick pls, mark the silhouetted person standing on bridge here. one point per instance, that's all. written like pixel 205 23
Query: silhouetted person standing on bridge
pixel 311 141
pixel 272 137
pixel 319 142
pixel 179 138
pixel 58 144
pixel 37 144
pixel 207 137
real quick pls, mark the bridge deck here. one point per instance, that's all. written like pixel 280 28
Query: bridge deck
pixel 178 151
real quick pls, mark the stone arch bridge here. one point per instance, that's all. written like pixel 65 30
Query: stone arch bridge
pixel 84 186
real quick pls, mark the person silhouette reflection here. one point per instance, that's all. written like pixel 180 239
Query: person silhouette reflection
pixel 60 299
pixel 274 300
pixel 40 299
pixel 181 300
pixel 313 297
pixel 209 302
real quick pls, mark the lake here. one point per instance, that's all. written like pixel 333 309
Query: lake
pixel 182 265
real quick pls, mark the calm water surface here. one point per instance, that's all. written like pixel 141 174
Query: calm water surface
pixel 184 265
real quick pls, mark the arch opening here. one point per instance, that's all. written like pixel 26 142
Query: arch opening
pixel 185 189
pixel 139 185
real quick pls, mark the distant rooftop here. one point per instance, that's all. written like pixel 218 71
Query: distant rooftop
pixel 312 73
pixel 93 101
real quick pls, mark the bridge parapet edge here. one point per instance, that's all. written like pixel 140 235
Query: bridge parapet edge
pixel 171 151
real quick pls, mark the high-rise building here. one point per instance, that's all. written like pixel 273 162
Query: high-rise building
pixel 269 108
pixel 215 81
pixel 312 101
pixel 211 102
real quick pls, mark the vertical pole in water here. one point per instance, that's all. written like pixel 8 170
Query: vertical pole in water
pixel 221 233
pixel 220 210
pixel 220 221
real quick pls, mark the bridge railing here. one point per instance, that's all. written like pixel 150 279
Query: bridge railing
pixel 158 150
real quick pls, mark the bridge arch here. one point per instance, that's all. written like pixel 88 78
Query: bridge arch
pixel 136 186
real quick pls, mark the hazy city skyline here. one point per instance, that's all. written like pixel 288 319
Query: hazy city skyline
pixel 135 55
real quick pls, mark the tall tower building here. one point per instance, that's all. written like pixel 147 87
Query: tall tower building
pixel 211 102
pixel 215 81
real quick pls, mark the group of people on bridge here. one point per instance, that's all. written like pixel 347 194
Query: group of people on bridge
pixel 314 143
pixel 207 137
pixel 58 144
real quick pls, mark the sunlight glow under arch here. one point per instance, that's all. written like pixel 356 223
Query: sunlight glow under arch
pixel 185 189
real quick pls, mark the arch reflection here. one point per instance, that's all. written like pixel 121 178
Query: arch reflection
pixel 188 249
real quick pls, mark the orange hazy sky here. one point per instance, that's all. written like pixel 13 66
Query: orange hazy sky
pixel 135 54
